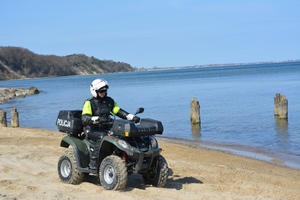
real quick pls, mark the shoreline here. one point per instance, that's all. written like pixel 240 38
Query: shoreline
pixel 29 157
pixel 246 152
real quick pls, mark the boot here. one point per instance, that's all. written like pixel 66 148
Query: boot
pixel 93 164
pixel 94 155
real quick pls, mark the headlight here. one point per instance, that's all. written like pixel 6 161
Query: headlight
pixel 153 141
pixel 123 144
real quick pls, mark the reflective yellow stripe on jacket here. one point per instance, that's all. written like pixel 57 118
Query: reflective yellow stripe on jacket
pixel 116 108
pixel 87 109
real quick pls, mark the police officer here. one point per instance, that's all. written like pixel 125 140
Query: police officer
pixel 95 115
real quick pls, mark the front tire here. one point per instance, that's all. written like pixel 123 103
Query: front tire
pixel 67 169
pixel 158 174
pixel 113 173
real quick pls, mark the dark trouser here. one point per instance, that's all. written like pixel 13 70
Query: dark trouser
pixel 95 138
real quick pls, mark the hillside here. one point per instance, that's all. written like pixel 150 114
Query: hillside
pixel 20 63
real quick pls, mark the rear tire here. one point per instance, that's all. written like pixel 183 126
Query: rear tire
pixel 113 173
pixel 67 169
pixel 158 174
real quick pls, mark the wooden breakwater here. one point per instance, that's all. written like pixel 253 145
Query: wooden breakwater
pixel 3 121
pixel 7 94
pixel 280 113
pixel 195 111
pixel 280 106
pixel 14 116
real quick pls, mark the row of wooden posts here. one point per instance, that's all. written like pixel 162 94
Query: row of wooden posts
pixel 280 110
pixel 14 115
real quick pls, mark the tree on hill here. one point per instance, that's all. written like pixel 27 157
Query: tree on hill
pixel 19 63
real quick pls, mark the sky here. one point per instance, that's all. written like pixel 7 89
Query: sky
pixel 156 33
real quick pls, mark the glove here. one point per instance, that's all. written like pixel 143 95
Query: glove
pixel 133 118
pixel 95 119
pixel 136 119
pixel 130 117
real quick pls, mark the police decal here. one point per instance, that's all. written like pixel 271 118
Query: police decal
pixel 64 123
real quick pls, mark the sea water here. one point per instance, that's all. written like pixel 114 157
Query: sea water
pixel 236 104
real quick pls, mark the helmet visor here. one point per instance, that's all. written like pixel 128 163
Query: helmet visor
pixel 103 89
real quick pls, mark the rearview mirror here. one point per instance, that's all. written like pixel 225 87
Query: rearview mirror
pixel 139 110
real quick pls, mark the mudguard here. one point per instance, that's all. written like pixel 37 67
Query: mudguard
pixel 108 141
pixel 80 147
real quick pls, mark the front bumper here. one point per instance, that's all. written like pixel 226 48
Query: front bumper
pixel 144 160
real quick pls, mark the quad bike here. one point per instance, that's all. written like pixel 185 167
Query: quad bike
pixel 127 148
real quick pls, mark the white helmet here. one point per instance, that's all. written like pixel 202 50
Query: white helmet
pixel 98 84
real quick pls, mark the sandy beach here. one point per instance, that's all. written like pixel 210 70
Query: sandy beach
pixel 28 168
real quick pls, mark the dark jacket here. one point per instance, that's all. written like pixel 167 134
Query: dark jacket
pixel 101 107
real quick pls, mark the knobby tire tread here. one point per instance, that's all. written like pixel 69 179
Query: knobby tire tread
pixel 76 176
pixel 121 171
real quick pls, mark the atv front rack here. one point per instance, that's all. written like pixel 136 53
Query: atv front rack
pixel 129 129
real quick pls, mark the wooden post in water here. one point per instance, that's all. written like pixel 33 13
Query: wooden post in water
pixel 14 118
pixel 280 106
pixel 195 112
pixel 3 121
